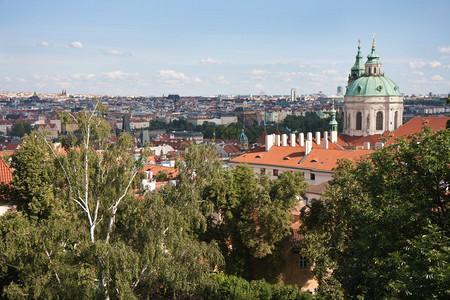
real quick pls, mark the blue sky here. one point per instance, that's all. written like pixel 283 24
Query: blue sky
pixel 218 47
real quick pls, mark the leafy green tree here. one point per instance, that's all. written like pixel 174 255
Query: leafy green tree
pixel 251 214
pixel 20 129
pixel 82 232
pixel 381 230
pixel 232 287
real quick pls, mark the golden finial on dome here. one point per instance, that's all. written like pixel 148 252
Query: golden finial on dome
pixel 373 43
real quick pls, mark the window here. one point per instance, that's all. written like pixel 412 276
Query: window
pixel 302 262
pixel 358 120
pixel 396 120
pixel 275 172
pixel 263 171
pixel 313 176
pixel 379 120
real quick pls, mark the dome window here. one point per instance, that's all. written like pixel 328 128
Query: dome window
pixel 379 88
pixel 359 89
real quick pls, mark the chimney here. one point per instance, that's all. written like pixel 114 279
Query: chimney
pixel 292 136
pixel 379 145
pixel 308 146
pixel 366 146
pixel 318 137
pixel 309 136
pixel 325 140
pixel 269 142
pixel 277 140
pixel 301 138
pixel 334 136
pixel 284 139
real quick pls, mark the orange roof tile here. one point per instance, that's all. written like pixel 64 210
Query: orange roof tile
pixel 294 157
pixel 5 173
pixel 358 141
pixel 416 125
pixel 155 169
pixel 326 160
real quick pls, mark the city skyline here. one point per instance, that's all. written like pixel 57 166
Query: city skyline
pixel 207 48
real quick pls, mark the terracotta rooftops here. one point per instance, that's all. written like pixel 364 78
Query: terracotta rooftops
pixel 416 125
pixel 294 157
pixel 5 172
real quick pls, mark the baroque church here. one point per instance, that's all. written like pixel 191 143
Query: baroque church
pixel 373 103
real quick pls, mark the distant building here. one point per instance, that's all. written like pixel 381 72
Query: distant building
pixel 293 94
pixel 373 103
pixel 340 90
pixel 173 97
pixel 126 126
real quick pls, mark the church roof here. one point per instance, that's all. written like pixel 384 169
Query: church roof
pixel 243 138
pixel 373 86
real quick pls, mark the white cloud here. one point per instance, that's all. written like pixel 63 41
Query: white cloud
pixel 119 75
pixel 259 86
pixel 222 80
pixel 444 49
pixel 172 75
pixel 417 64
pixel 82 76
pixel 329 72
pixel 258 72
pixel 418 73
pixel 197 80
pixel 77 45
pixel 114 52
pixel 43 44
pixel 434 64
pixel 209 60
pixel 437 78
pixel 14 79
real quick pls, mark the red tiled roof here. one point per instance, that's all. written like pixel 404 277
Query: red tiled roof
pixel 358 141
pixel 416 125
pixel 294 157
pixel 155 169
pixel 231 149
pixel 5 172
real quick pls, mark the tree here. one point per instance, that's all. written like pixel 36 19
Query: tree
pixel 20 129
pixel 251 214
pixel 83 232
pixel 382 229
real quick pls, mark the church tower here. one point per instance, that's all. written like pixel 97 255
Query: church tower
pixel 243 141
pixel 358 68
pixel 373 103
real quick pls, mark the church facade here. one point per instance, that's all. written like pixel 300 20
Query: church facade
pixel 373 103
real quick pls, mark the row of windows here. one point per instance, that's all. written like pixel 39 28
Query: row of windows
pixel 379 121
pixel 275 173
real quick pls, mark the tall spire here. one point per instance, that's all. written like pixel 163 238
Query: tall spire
pixel 358 68
pixel 333 123
pixel 373 57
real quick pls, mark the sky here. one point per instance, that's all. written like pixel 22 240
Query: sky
pixel 196 47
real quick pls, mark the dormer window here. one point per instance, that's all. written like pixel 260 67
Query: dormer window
pixel 359 89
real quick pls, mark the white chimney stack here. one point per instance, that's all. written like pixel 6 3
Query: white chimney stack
pixel 334 136
pixel 308 146
pixel 269 142
pixel 325 140
pixel 309 136
pixel 277 140
pixel 318 137
pixel 284 139
pixel 301 138
pixel 292 136
pixel 379 145
pixel 366 146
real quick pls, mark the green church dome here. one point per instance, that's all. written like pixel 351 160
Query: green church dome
pixel 243 138
pixel 373 86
